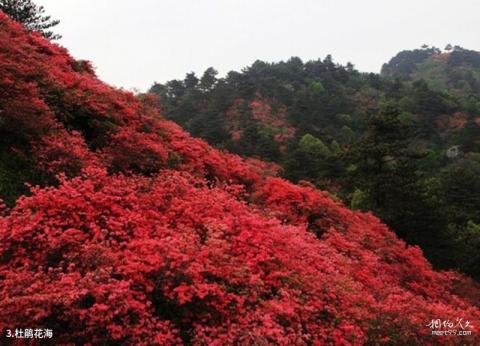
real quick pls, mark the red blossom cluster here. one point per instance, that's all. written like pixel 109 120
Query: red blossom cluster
pixel 441 57
pixel 148 236
pixel 455 121
pixel 259 111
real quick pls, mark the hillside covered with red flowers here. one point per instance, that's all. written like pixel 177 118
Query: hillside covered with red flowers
pixel 132 232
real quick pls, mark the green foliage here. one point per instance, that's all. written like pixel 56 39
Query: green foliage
pixel 317 87
pixel 208 79
pixel 344 119
pixel 335 148
pixel 406 104
pixel 467 244
pixel 456 70
pixel 460 191
pixel 406 118
pixel 386 173
pixel 313 146
pixel 13 172
pixel 347 135
pixel 405 62
pixel 433 72
pixel 470 136
pixel 359 200
pixel 31 16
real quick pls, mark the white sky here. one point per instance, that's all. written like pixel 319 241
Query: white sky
pixel 133 43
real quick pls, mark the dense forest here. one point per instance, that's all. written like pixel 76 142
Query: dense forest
pixel 117 227
pixel 404 144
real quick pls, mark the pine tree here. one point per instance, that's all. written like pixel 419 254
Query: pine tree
pixel 385 169
pixel 31 16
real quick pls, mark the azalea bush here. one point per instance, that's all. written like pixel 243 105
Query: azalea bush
pixel 132 232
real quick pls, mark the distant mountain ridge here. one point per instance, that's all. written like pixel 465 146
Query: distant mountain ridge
pixel 455 70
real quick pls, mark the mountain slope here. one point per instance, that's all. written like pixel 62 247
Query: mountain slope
pixel 137 233
pixel 319 120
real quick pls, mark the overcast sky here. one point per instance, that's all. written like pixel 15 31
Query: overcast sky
pixel 133 43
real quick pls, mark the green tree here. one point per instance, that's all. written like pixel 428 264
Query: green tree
pixel 459 191
pixel 209 79
pixel 358 200
pixel 309 159
pixel 313 146
pixel 335 148
pixel 347 135
pixel 467 252
pixel 470 136
pixel 191 81
pixel 31 16
pixel 384 169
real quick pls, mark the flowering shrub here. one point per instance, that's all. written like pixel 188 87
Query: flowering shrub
pixel 151 237
pixel 260 112
pixel 62 152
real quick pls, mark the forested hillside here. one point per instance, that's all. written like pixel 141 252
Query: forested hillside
pixel 404 143
pixel 131 232
pixel 454 70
